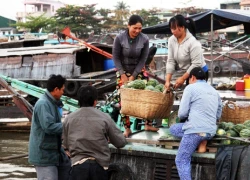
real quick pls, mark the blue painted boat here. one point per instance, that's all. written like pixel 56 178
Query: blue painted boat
pixel 55 42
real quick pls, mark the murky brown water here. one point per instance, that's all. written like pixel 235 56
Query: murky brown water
pixel 15 169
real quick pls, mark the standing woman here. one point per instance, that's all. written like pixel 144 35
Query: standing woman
pixel 130 51
pixel 184 51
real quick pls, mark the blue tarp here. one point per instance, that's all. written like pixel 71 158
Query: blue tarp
pixel 221 19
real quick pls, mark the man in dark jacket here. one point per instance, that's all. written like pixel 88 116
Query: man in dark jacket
pixel 87 133
pixel 45 147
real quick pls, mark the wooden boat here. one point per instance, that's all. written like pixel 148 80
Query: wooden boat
pixel 76 63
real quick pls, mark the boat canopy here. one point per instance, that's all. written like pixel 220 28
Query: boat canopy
pixel 221 19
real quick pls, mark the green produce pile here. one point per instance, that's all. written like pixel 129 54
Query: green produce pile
pixel 234 130
pixel 152 85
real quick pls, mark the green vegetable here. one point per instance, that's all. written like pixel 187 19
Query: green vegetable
pixel 151 88
pixel 226 142
pixel 236 142
pixel 160 87
pixel 247 123
pixel 226 125
pixel 157 90
pixel 239 127
pixel 232 133
pixel 152 82
pixel 137 84
pixel 223 125
pixel 245 133
pixel 221 132
pixel 230 125
pixel 130 84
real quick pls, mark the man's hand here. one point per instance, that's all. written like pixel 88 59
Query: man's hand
pixel 124 78
pixel 131 78
pixel 67 153
pixel 179 82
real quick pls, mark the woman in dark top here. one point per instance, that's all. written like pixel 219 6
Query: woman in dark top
pixel 130 52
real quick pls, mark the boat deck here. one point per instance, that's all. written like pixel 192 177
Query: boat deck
pixel 145 141
pixel 156 162
pixel 234 95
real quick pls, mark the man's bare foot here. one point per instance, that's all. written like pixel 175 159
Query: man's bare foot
pixel 151 128
pixel 202 147
pixel 127 132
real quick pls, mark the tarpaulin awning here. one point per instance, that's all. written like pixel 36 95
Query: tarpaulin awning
pixel 221 19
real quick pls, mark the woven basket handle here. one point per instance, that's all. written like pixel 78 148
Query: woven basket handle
pixel 230 102
pixel 168 91
pixel 165 91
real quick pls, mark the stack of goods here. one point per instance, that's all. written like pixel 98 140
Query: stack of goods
pixel 225 86
pixel 146 100
pixel 152 85
pixel 234 130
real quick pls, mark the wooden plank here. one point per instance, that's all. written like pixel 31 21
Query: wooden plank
pixel 211 149
pixel 172 143
pixel 15 126
pixel 169 147
pixel 13 157
pixel 175 145
pixel 143 141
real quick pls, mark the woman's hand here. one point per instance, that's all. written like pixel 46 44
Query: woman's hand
pixel 179 82
pixel 124 78
pixel 167 85
pixel 131 78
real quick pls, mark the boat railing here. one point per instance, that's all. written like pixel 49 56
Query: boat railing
pixel 22 34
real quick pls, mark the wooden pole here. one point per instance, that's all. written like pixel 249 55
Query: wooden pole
pixel 13 157
pixel 235 138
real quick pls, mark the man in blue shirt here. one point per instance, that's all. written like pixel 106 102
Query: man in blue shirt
pixel 201 106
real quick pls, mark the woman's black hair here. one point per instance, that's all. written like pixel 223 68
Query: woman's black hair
pixel 181 21
pixel 86 96
pixel 135 19
pixel 55 81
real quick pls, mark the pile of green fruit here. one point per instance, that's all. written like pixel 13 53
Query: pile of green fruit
pixel 152 85
pixel 234 130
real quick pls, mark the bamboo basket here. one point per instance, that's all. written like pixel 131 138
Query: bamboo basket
pixel 234 113
pixel 146 104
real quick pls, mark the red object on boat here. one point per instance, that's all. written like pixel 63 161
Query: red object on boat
pixel 240 85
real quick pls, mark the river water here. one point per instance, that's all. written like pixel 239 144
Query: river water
pixel 15 169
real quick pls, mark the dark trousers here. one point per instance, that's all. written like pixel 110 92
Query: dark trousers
pixel 89 170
